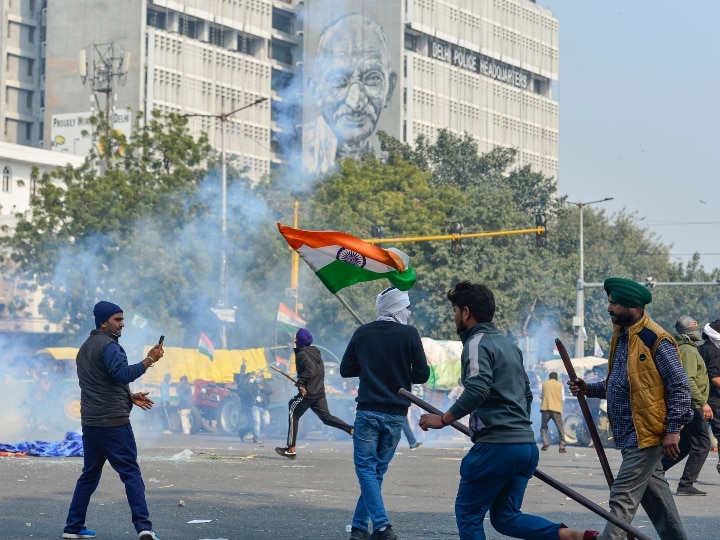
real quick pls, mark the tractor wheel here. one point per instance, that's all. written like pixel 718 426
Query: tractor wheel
pixel 228 415
pixel 575 430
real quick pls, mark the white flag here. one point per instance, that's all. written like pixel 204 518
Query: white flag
pixel 225 315
pixel 598 351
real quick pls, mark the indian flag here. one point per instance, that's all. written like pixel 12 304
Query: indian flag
pixel 288 321
pixel 341 260
pixel 206 347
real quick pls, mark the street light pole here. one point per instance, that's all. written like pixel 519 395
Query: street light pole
pixel 579 319
pixel 224 313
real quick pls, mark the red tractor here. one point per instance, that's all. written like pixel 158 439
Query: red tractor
pixel 218 407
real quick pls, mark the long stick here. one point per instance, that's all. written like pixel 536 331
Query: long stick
pixel 599 448
pixel 281 372
pixel 562 488
pixel 350 310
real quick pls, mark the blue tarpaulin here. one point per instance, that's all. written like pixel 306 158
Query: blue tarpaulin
pixel 70 447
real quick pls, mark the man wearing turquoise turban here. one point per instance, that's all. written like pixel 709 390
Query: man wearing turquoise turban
pixel 648 397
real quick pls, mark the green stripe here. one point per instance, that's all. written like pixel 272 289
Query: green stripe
pixel 338 275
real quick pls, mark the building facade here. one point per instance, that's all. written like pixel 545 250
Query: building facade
pixel 17 163
pixel 22 48
pixel 483 67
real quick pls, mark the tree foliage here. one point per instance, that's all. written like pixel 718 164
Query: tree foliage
pixel 139 223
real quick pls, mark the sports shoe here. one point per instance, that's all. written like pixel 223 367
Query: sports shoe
pixel 286 452
pixel 84 533
pixel 544 448
pixel 415 446
pixel 387 534
pixel 257 440
pixel 359 534
pixel 692 490
pixel 563 451
pixel 148 535
pixel 167 432
pixel 590 534
pixel 718 467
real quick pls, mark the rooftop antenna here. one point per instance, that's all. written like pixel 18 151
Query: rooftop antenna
pixel 108 65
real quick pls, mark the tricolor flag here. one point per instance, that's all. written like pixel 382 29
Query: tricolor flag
pixel 341 260
pixel 205 346
pixel 288 321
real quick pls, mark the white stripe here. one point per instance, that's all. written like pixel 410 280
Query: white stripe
pixel 318 258
pixel 473 357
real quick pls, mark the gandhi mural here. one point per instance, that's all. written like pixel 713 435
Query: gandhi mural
pixel 350 84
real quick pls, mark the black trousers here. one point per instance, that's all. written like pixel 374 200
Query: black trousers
pixel 715 422
pixel 695 444
pixel 297 407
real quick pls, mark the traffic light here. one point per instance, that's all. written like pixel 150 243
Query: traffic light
pixel 541 238
pixel 376 231
pixel 457 247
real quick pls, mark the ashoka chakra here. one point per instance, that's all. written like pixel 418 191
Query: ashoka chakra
pixel 351 257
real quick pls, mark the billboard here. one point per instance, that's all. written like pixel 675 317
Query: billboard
pixel 71 133
pixel 353 58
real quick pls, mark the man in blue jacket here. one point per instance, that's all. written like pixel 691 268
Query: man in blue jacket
pixel 497 395
pixel 386 354
pixel 105 403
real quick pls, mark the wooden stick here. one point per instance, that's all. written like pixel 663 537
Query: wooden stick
pixel 350 309
pixel 281 372
pixel 550 481
pixel 582 401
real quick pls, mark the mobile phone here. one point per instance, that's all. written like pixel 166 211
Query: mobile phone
pixel 160 341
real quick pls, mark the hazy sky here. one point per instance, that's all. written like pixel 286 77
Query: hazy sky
pixel 639 115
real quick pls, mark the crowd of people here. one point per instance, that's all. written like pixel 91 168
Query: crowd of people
pixel 662 391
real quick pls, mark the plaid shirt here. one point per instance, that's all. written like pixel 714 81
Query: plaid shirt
pixel 677 392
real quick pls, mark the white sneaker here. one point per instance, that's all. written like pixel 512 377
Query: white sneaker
pixel 148 535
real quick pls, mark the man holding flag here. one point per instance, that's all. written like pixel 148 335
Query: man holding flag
pixel 386 354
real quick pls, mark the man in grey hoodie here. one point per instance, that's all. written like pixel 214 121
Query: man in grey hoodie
pixel 495 472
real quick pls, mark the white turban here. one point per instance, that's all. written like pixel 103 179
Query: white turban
pixel 391 301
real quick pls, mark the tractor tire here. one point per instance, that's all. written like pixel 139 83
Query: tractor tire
pixel 228 415
pixel 575 430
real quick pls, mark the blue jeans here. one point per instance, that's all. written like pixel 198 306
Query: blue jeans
pixel 494 477
pixel 116 445
pixel 641 480
pixel 409 435
pixel 374 442
pixel 261 417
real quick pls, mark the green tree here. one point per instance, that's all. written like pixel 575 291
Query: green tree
pixel 124 226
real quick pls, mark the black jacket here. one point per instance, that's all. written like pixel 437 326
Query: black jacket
pixel 711 355
pixel 386 356
pixel 310 371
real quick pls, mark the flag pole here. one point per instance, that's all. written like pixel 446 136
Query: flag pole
pixel 350 310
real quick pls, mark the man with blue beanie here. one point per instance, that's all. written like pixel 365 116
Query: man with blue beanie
pixel 105 403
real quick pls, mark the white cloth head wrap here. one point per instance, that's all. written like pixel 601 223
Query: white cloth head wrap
pixel 713 334
pixel 392 304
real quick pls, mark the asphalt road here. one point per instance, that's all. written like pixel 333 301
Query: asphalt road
pixel 243 491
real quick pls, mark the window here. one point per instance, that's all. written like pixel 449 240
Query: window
pixel 215 36
pixel 282 52
pixel 31 6
pixel 187 27
pixel 7 175
pixel 28 131
pixel 157 19
pixel 28 100
pixel 31 34
pixel 410 42
pixel 30 66
pixel 282 21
